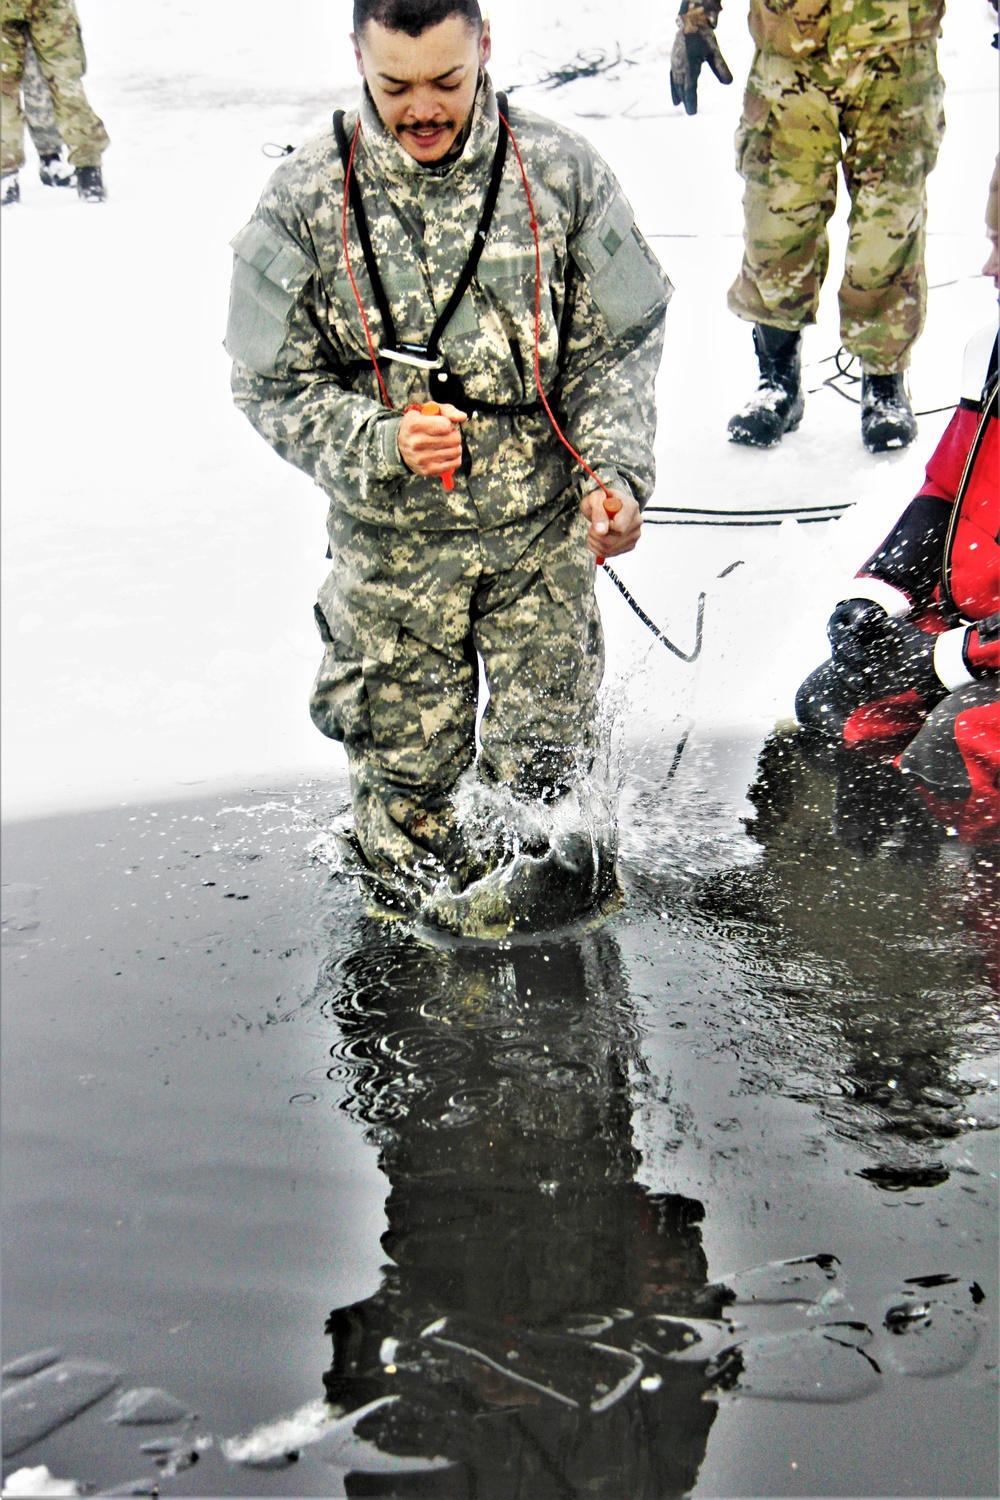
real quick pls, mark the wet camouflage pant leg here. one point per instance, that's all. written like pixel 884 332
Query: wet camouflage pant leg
pixel 893 128
pixel 398 685
pixel 888 109
pixel 55 35
pixel 13 42
pixel 405 705
pixel 539 633
pixel 38 109
pixel 408 726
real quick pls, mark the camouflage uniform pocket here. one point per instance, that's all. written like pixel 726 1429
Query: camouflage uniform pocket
pixel 877 23
pixel 623 278
pixel 360 622
pixel 790 28
pixel 269 273
pixel 506 280
pixel 565 564
pixel 501 265
pixel 750 156
pixel 898 118
pixel 339 703
pixel 933 117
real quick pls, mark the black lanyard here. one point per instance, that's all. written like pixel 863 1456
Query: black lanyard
pixel 988 413
pixel 424 356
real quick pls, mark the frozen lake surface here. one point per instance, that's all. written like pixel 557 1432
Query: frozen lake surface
pixel 512 1210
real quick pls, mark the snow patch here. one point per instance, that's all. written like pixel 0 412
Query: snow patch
pixel 38 1481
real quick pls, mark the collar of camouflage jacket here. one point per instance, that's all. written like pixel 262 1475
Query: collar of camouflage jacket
pixel 391 162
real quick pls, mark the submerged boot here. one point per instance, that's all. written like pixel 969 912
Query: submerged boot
pixel 55 172
pixel 90 184
pixel 887 419
pixel 10 189
pixel 777 405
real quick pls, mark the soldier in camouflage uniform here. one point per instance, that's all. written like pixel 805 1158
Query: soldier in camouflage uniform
pixel 52 28
pixel 853 82
pixel 426 581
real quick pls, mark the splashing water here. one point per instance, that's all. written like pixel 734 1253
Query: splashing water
pixel 553 863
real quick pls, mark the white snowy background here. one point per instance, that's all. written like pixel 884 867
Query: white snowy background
pixel 160 562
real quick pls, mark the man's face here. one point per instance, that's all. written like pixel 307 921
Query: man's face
pixel 424 86
pixel 992 266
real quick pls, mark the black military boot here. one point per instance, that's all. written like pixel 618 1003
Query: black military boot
pixel 887 419
pixel 10 189
pixel 90 184
pixel 55 172
pixel 777 405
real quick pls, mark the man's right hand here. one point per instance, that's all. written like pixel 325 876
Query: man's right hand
pixel 431 446
pixel 694 45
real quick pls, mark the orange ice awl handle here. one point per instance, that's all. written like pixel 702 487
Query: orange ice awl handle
pixel 432 409
pixel 612 505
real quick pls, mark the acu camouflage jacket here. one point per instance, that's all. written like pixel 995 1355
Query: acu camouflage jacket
pixel 843 28
pixel 302 373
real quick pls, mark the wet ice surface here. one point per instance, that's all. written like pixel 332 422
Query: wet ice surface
pixel 701 1198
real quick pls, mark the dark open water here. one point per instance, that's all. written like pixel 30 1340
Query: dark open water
pixel 518 1206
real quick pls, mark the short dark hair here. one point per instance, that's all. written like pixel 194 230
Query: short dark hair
pixel 414 16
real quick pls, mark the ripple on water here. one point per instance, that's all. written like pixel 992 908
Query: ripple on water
pixel 930 1332
pixel 813 1364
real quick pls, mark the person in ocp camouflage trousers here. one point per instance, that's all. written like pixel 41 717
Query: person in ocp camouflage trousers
pixel 52 27
pixel 854 83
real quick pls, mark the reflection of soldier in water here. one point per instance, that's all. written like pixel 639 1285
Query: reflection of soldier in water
pixel 525 1318
pixel 900 943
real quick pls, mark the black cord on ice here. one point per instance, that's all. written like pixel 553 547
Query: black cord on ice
pixel 584 65
pixel 845 372
pixel 655 629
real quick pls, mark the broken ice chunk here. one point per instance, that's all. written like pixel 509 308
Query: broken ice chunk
pixel 147 1404
pixel 30 1364
pixel 41 1403
pixel 805 1365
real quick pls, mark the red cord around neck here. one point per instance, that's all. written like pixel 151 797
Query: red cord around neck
pixel 350 273
pixel 538 318
pixel 538 299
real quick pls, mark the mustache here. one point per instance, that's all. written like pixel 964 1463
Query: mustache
pixel 430 125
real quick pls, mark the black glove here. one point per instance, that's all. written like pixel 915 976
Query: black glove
pixel 881 655
pixel 694 45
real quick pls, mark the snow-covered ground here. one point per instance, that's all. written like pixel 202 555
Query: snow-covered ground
pixel 160 562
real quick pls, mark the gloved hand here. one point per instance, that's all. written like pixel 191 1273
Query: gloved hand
pixel 694 45
pixel 879 655
pixel 883 656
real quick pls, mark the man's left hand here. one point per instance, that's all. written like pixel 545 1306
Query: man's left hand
pixel 615 522
pixel 694 45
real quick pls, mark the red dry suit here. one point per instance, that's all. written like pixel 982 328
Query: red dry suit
pixel 937 576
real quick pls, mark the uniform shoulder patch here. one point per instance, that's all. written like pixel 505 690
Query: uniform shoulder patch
pixel 623 275
pixel 269 272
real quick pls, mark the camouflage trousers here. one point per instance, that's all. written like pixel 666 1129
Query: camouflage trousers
pixel 883 121
pixel 52 28
pixel 38 111
pixel 406 617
